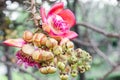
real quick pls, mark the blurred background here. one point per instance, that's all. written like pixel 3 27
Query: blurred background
pixel 98 26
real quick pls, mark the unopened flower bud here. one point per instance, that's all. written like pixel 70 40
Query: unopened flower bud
pixel 81 69
pixel 74 73
pixel 63 57
pixel 74 66
pixel 63 41
pixel 80 62
pixel 61 65
pixel 37 55
pixel 47 56
pixel 79 52
pixel 55 61
pixel 57 50
pixel 64 77
pixel 43 40
pixel 44 55
pixel 90 58
pixel 51 69
pixel 27 36
pixel 69 44
pixel 67 69
pixel 70 51
pixel 28 49
pixel 37 39
pixel 87 67
pixel 43 70
pixel 51 42
pixel 72 59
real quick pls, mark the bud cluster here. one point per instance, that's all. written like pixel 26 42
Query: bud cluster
pixel 51 55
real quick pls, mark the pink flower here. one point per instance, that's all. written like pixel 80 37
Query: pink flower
pixel 58 21
pixel 14 42
pixel 26 60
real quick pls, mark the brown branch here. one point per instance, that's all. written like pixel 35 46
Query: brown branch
pixel 102 54
pixel 22 70
pixel 109 72
pixel 101 31
pixel 36 16
pixel 78 41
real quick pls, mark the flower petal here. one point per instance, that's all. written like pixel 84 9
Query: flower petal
pixel 15 42
pixel 50 29
pixel 43 14
pixel 56 8
pixel 68 17
pixel 70 35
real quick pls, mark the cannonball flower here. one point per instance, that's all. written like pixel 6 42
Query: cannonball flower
pixel 58 21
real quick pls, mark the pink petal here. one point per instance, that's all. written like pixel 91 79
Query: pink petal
pixel 43 14
pixel 56 8
pixel 15 42
pixel 51 30
pixel 70 35
pixel 19 62
pixel 68 17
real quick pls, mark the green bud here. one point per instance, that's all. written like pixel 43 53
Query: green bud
pixel 64 77
pixel 43 70
pixel 51 42
pixel 61 65
pixel 64 47
pixel 69 44
pixel 57 50
pixel 51 69
pixel 81 69
pixel 89 58
pixel 72 59
pixel 74 73
pixel 87 67
pixel 79 52
pixel 70 51
pixel 80 62
pixel 74 66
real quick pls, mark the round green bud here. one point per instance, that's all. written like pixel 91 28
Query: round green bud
pixel 61 65
pixel 81 69
pixel 57 50
pixel 64 77
pixel 69 44
pixel 74 73
pixel 87 67
pixel 72 59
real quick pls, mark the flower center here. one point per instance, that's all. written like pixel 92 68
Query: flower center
pixel 59 23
